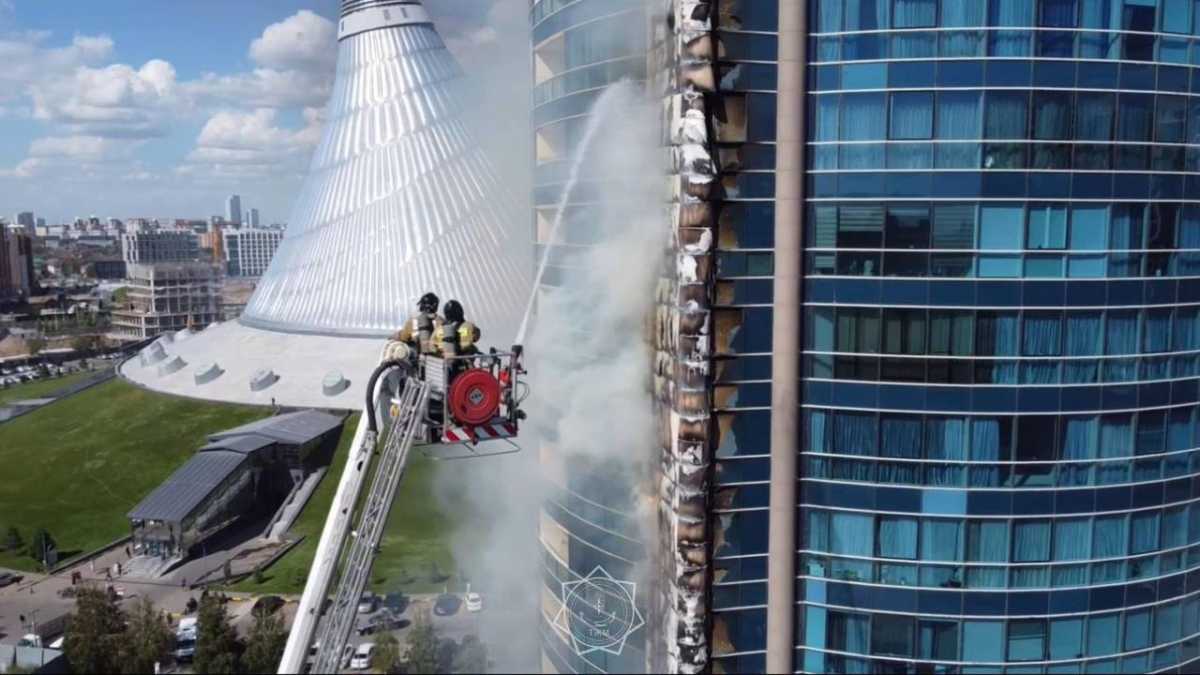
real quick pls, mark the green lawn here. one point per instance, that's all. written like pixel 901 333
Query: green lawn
pixel 77 466
pixel 416 538
pixel 40 388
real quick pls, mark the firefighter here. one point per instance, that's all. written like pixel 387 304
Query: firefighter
pixel 418 331
pixel 456 336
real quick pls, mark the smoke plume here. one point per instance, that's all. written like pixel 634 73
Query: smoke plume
pixel 590 368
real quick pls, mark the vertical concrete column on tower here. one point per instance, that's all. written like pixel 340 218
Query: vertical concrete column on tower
pixel 786 334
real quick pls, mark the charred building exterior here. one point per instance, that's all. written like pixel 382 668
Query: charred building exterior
pixel 927 341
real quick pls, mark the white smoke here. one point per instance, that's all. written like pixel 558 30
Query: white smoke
pixel 590 366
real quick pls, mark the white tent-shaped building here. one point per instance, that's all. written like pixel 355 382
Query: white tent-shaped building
pixel 399 200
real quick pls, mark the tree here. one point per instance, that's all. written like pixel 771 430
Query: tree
pixel 472 656
pixel 264 646
pixel 84 344
pixel 148 640
pixel 216 644
pixel 388 657
pixel 41 545
pixel 35 346
pixel 95 631
pixel 446 651
pixel 12 540
pixel 423 645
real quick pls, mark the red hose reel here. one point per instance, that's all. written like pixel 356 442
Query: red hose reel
pixel 474 397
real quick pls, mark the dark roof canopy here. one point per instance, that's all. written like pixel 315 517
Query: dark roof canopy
pixel 246 445
pixel 295 428
pixel 188 487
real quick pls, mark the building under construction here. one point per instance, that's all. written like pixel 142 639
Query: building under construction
pixel 167 298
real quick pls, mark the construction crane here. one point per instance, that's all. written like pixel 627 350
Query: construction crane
pixel 438 403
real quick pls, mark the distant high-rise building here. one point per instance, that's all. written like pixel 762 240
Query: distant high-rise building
pixel 253 217
pixel 159 247
pixel 248 251
pixel 16 264
pixel 25 221
pixel 40 222
pixel 233 210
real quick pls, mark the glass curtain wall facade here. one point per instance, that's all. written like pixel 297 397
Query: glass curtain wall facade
pixel 1002 337
pixel 588 521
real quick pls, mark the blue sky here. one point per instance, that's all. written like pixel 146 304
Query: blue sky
pixel 129 108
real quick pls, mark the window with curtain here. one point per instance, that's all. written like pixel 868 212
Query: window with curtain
pixel 996 334
pixel 1047 227
pixel 826 111
pixel 1080 437
pixel 987 541
pixel 1072 539
pixel 1180 430
pixel 818 530
pixel 864 117
pixel 855 434
pixel 1094 115
pixel 892 635
pixel 818 431
pixel 1176 16
pixel 1042 334
pixel 1116 436
pixel 866 14
pixel 1005 114
pixel 860 226
pixel 912 115
pixel 1010 13
pixel 901 438
pixel 851 534
pixel 1134 117
pixel 914 13
pixel 829 16
pixel 958 115
pixel 904 331
pixel 1052 115
pixel 1031 541
pixel 1186 336
pixel 847 632
pixel 898 538
pixel 1108 536
pixel 938 640
pixel 1156 336
pixel 1143 533
pixel 1083 333
pixel 963 13
pixel 951 333
pixel 1174 527
pixel 941 540
pixel 1121 332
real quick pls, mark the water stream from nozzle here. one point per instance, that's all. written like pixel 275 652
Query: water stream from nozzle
pixel 596 117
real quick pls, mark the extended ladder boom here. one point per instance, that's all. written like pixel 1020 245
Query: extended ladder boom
pixel 335 628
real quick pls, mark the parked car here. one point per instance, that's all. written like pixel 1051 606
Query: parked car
pixel 381 623
pixel 368 603
pixel 8 579
pixel 474 602
pixel 447 604
pixel 363 656
pixel 397 603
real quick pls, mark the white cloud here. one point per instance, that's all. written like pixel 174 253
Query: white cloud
pixel 303 40
pixel 253 143
pixel 27 61
pixel 115 100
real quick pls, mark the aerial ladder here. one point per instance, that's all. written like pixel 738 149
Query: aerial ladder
pixel 432 402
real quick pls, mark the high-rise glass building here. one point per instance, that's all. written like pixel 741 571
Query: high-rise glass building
pixel 1000 337
pixel 983 458
pixel 579 48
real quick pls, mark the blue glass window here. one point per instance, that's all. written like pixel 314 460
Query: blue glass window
pixel 914 13
pixel 898 538
pixel 983 640
pixel 1047 226
pixel 962 13
pixel 1089 226
pixel 1031 541
pixel 958 114
pixel 1094 113
pixel 1006 113
pixel 1000 226
pixel 851 534
pixel 866 14
pixel 1102 634
pixel 1066 638
pixel 1026 640
pixel 864 117
pixel 912 115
